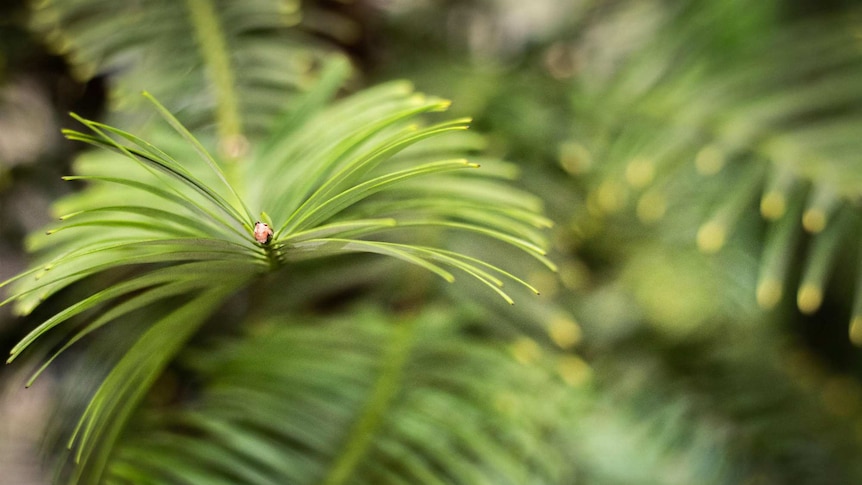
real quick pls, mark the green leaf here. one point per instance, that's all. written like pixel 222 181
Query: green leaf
pixel 156 159
pixel 331 246
pixel 131 378
pixel 324 211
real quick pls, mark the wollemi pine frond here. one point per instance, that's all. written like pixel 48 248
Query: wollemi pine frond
pixel 344 179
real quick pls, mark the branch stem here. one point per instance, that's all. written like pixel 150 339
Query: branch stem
pixel 213 47
pixel 379 404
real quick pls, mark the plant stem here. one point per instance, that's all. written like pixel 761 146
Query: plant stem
pixel 379 404
pixel 213 48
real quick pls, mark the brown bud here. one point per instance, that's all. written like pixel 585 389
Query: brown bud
pixel 262 233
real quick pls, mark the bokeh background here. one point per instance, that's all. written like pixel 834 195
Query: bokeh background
pixel 702 164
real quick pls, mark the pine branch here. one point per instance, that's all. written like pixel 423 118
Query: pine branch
pixel 216 62
pixel 773 116
pixel 183 231
pixel 363 399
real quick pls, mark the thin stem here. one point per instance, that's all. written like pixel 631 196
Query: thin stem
pixel 213 49
pixel 379 403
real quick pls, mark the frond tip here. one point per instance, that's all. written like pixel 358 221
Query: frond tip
pixel 345 179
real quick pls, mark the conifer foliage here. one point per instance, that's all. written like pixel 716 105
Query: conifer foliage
pixel 276 259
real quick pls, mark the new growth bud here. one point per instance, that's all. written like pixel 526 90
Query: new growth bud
pixel 262 233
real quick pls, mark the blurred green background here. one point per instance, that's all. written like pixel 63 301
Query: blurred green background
pixel 700 161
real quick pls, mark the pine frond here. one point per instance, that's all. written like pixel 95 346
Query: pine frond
pixel 355 400
pixel 721 418
pixel 155 227
pixel 213 61
pixel 689 111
